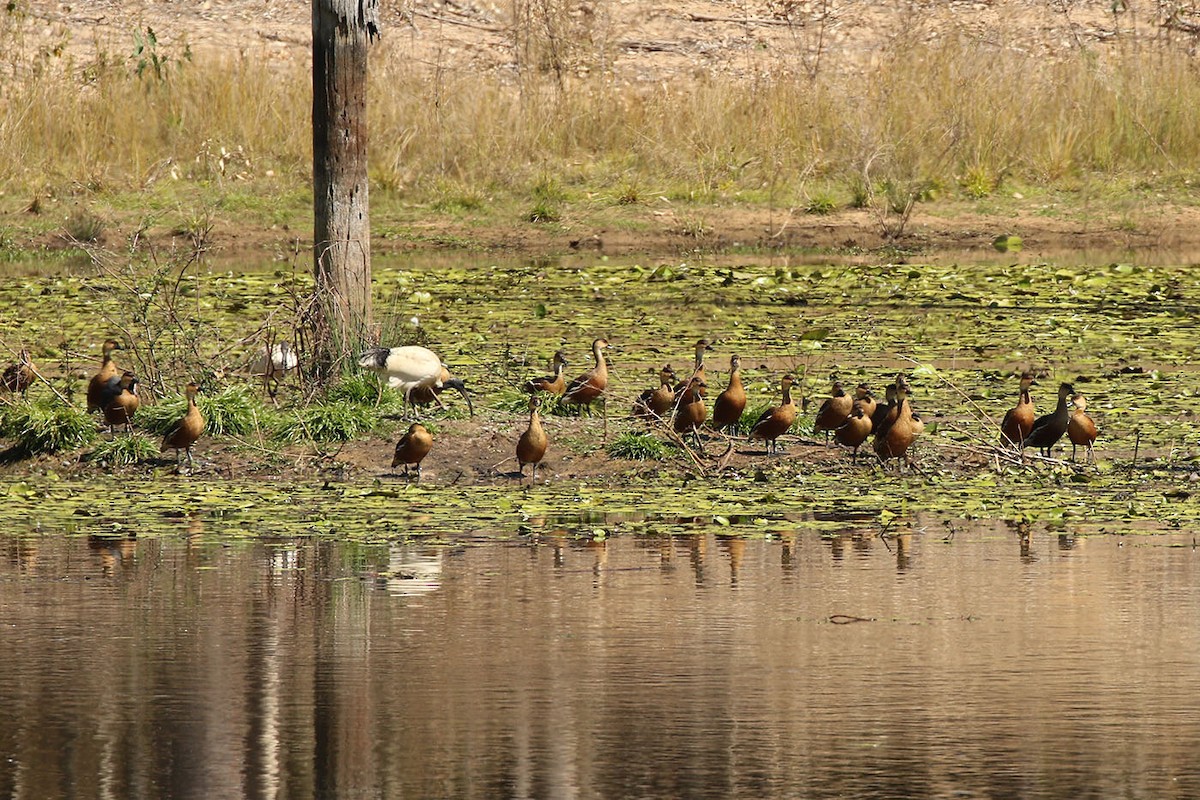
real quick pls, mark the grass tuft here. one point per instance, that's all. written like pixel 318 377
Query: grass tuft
pixel 124 450
pixel 235 410
pixel 325 422
pixel 635 446
pixel 46 426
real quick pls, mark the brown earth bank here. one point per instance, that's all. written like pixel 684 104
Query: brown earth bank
pixel 937 231
pixel 477 452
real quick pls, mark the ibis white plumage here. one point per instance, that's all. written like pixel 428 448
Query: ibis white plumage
pixel 272 363
pixel 414 371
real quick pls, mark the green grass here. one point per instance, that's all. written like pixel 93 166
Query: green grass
pixel 324 422
pixel 235 410
pixel 635 446
pixel 46 425
pixel 124 450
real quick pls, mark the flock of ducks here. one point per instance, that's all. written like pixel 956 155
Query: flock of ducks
pixel 849 418
pixel 421 376
pixel 113 393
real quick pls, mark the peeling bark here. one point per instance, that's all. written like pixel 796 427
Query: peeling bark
pixel 342 33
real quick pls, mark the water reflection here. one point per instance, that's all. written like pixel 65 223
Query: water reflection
pixel 991 662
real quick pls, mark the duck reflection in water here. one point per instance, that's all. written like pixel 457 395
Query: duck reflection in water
pixel 735 548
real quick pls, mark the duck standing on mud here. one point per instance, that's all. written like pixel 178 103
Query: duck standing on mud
pixel 184 433
pixel 412 448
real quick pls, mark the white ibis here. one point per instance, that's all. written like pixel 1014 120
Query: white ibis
pixel 414 371
pixel 272 363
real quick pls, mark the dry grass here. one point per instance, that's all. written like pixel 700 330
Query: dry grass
pixel 952 117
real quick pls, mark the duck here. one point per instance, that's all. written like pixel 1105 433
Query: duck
pixel 698 369
pixel 585 389
pixel 554 384
pixel 856 429
pixel 187 429
pixel 122 408
pixel 424 395
pixel 775 422
pixel 18 377
pixel 885 413
pixel 864 397
pixel 834 411
pixel 412 448
pixel 531 447
pixel 106 383
pixel 655 403
pixel 1081 428
pixel 1049 428
pixel 1018 420
pixel 894 440
pixel 691 411
pixel 416 372
pixel 727 410
pixel 272 363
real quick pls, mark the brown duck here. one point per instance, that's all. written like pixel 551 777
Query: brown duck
pixel 775 422
pixel 1018 421
pixel 122 408
pixel 698 369
pixel 834 411
pixel 412 448
pixel 531 447
pixel 184 433
pixel 1049 428
pixel 106 383
pixel 552 384
pixel 590 385
pixel 655 403
pixel 18 377
pixel 1081 428
pixel 691 411
pixel 863 396
pixel 885 413
pixel 727 410
pixel 856 430
pixel 896 438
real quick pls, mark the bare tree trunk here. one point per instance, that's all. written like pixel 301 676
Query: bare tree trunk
pixel 342 33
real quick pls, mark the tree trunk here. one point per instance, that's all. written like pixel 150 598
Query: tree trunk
pixel 342 32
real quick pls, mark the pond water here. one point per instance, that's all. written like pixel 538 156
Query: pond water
pixel 995 662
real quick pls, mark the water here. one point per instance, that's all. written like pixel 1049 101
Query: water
pixel 554 667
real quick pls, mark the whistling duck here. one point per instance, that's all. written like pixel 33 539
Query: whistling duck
pixel 122 408
pixel 691 411
pixel 774 422
pixel 18 377
pixel 698 369
pixel 885 413
pixel 894 440
pixel 531 447
pixel 590 385
pixel 655 403
pixel 856 430
pixel 727 411
pixel 863 396
pixel 105 384
pixel 1081 428
pixel 415 371
pixel 1049 428
pixel 273 363
pixel 412 448
pixel 424 395
pixel 1018 421
pixel 834 411
pixel 184 433
pixel 554 384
